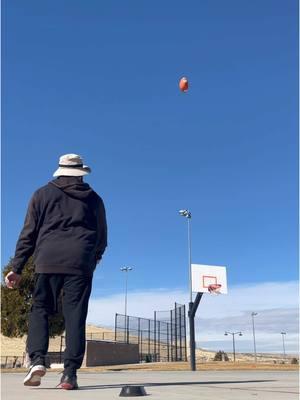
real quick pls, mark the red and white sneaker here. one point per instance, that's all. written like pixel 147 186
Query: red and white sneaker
pixel 35 373
pixel 68 382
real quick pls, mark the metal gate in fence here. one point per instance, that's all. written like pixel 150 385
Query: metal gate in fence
pixel 160 339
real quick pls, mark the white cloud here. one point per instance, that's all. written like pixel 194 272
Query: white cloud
pixel 275 302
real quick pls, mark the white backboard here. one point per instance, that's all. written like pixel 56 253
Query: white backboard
pixel 205 275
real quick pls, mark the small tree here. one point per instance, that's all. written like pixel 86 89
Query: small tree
pixel 294 361
pixel 221 356
pixel 16 304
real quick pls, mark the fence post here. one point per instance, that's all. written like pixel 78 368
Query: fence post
pixel 141 353
pixel 127 330
pixel 176 328
pixel 158 340
pixel 60 350
pixel 139 328
pixel 149 337
pixel 116 322
pixel 184 327
pixel 180 334
pixel 172 359
pixel 168 342
pixel 155 336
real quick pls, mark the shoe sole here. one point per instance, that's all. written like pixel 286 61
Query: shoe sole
pixel 35 376
pixel 67 386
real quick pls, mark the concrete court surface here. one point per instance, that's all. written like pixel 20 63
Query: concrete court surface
pixel 183 385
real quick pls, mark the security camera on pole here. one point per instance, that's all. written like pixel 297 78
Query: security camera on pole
pixel 202 279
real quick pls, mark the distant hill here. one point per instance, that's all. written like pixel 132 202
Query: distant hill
pixel 203 355
pixel 16 346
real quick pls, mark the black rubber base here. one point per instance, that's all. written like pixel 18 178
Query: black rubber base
pixel 130 391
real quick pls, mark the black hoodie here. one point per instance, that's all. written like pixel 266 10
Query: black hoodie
pixel 65 228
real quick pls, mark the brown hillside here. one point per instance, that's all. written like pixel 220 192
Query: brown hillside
pixel 16 346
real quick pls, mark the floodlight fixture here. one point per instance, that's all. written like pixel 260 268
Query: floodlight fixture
pixel 126 269
pixel 185 213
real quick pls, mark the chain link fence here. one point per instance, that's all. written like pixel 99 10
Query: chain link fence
pixel 12 361
pixel 160 339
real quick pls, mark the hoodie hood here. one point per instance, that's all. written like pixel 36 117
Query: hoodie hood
pixel 73 187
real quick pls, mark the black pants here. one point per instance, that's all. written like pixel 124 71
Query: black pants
pixel 76 292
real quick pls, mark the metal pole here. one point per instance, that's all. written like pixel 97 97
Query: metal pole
pixel 284 355
pixel 158 341
pixel 126 269
pixel 192 312
pixel 191 318
pixel 171 336
pixel 127 330
pixel 192 338
pixel 139 328
pixel 176 339
pixel 190 256
pixel 168 342
pixel 141 351
pixel 255 357
pixel 180 335
pixel 233 340
pixel 149 338
pixel 125 317
pixel 192 306
pixel 184 321
pixel 60 350
pixel 233 346
pixel 126 295
pixel 155 336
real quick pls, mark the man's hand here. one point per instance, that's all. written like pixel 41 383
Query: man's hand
pixel 12 280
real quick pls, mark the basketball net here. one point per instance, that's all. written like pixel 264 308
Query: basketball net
pixel 214 288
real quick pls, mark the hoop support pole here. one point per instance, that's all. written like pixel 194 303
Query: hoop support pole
pixel 192 312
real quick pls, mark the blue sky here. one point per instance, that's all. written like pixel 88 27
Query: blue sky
pixel 101 79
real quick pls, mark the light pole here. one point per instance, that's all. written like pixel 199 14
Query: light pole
pixel 192 305
pixel 283 334
pixel 126 269
pixel 233 342
pixel 253 315
pixel 188 215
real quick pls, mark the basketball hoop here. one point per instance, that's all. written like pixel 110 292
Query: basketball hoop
pixel 214 288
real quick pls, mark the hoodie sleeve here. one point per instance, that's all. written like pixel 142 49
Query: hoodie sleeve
pixel 27 239
pixel 102 232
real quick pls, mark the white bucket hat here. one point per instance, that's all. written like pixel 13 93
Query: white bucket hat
pixel 71 165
